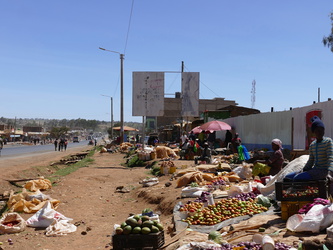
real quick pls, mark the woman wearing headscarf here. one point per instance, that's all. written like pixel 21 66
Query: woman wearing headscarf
pixel 320 162
pixel 274 164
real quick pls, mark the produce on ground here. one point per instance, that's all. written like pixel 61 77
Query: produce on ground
pixel 220 211
pixel 139 224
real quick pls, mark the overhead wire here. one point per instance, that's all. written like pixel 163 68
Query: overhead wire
pixel 129 26
pixel 126 41
pixel 205 85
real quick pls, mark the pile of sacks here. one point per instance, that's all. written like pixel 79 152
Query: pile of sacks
pixel 32 200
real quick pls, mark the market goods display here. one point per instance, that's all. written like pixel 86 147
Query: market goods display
pixel 139 224
pixel 197 176
pixel 252 245
pixel 217 182
pixel 308 191
pixel 292 191
pixel 167 167
pixel 246 196
pixel 220 211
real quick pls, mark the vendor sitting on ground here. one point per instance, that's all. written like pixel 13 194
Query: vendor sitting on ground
pixel 320 163
pixel 206 155
pixel 273 165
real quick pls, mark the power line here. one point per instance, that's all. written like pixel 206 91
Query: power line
pixel 129 25
pixel 217 95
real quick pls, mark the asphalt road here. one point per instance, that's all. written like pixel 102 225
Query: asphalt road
pixel 19 150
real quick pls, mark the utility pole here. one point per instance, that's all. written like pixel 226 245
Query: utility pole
pixel 121 98
pixel 111 99
pixel 121 92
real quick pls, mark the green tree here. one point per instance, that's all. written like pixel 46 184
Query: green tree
pixel 328 40
pixel 57 132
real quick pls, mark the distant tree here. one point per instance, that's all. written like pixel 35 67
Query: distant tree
pixel 58 132
pixel 328 40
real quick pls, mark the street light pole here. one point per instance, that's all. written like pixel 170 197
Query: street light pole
pixel 111 99
pixel 121 92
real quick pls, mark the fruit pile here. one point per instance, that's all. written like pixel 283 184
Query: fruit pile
pixel 191 206
pixel 139 225
pixel 308 191
pixel 220 211
pixel 10 223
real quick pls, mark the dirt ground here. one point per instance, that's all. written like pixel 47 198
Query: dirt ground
pixel 89 197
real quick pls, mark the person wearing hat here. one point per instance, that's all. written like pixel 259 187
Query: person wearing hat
pixel 320 163
pixel 274 164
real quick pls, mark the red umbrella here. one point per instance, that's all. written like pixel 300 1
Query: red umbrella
pixel 215 126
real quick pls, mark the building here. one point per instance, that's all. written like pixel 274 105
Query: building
pixel 173 108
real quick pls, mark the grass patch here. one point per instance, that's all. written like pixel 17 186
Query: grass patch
pixel 71 168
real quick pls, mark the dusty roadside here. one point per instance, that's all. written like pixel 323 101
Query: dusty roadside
pixel 89 197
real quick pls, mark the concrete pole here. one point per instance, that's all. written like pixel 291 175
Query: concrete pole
pixel 111 118
pixel 121 98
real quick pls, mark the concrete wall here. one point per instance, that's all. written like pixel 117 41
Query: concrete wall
pixel 258 130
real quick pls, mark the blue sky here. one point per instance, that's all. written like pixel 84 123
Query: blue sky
pixel 51 67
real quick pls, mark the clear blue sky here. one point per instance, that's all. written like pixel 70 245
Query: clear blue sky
pixel 51 67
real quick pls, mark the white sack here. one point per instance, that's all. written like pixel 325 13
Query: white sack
pixel 316 219
pixel 293 166
pixel 45 217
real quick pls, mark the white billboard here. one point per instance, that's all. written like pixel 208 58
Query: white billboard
pixel 148 94
pixel 190 94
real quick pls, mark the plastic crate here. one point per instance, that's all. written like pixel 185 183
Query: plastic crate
pixel 301 191
pixel 138 241
pixel 289 208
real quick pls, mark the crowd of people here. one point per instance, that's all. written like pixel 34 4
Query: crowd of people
pixel 60 144
pixel 318 167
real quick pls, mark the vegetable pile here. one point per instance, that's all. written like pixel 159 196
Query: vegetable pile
pixel 309 191
pixel 139 224
pixel 220 211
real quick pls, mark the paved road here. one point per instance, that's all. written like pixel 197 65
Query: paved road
pixel 15 150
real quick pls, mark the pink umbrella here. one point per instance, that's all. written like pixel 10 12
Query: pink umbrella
pixel 198 130
pixel 215 126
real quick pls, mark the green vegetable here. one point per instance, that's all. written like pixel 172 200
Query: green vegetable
pixel 263 200
pixel 194 184
pixel 215 236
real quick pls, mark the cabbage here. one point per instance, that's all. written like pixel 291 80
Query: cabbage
pixel 215 236
pixel 263 200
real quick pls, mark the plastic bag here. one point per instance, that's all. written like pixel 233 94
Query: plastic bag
pixel 12 223
pixel 318 218
pixel 60 227
pixel 243 171
pixel 235 190
pixel 45 217
pixel 192 191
